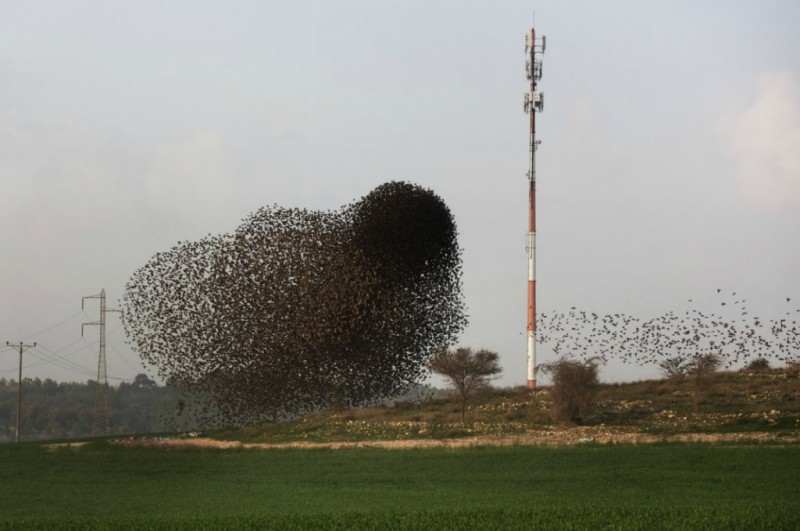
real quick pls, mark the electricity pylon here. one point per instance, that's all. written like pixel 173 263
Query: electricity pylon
pixel 101 410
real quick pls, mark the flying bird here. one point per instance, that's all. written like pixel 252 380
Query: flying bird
pixel 299 310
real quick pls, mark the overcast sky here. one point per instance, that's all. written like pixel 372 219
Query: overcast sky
pixel 669 164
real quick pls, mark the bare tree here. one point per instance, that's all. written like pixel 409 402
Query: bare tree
pixel 466 371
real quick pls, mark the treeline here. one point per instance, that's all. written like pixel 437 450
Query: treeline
pixel 63 410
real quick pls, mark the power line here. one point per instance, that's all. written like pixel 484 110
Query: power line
pixel 58 352
pixel 119 354
pixel 46 358
pixel 59 355
pixel 40 332
pixel 49 357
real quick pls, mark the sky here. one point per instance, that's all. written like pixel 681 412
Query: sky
pixel 669 166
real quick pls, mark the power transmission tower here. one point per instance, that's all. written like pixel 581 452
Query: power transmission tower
pixel 101 410
pixel 22 348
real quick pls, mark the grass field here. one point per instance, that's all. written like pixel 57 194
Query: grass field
pixel 668 486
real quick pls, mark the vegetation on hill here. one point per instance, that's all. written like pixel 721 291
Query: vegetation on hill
pixel 761 400
pixel 723 402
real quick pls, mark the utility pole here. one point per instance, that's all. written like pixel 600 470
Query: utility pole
pixel 533 102
pixel 101 395
pixel 22 348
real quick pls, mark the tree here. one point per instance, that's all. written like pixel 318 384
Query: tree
pixel 705 364
pixel 574 387
pixel 466 371
pixel 675 367
pixel 142 381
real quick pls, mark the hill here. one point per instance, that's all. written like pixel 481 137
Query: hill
pixel 718 406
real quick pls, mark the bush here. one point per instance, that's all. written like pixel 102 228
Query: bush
pixel 574 389
pixel 758 364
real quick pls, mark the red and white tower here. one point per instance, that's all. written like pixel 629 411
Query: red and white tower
pixel 533 103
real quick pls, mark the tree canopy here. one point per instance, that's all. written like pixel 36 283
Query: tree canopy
pixel 465 370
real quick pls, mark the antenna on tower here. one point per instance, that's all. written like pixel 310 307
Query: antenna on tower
pixel 533 102
pixel 101 409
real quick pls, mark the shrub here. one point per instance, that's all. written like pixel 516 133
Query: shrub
pixel 758 364
pixel 574 388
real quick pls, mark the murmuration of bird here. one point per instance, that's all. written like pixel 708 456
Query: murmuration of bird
pixel 302 310
pixel 730 333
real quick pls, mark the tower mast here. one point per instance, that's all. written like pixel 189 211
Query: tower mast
pixel 533 102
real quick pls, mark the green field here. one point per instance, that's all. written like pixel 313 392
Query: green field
pixel 667 486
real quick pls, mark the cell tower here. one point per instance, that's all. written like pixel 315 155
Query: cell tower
pixel 101 410
pixel 533 103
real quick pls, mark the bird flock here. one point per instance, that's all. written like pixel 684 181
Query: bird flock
pixel 299 310
pixel 729 331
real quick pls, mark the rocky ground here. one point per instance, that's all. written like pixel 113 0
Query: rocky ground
pixel 567 436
